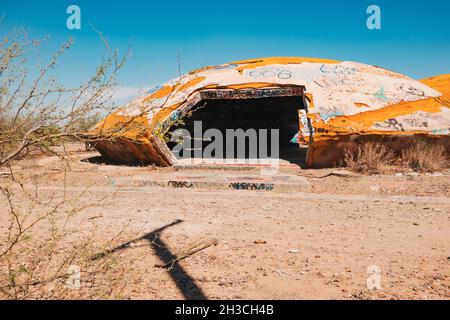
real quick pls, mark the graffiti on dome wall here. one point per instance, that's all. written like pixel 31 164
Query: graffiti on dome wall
pixel 349 83
pixel 346 97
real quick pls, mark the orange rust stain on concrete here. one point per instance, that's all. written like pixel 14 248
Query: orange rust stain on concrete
pixel 362 122
pixel 190 83
pixel 201 69
pixel 163 114
pixel 310 98
pixel 440 83
pixel 255 63
pixel 161 93
pixel 127 127
pixel 127 138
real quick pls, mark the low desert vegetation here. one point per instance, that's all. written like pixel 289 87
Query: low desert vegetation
pixel 376 158
pixel 370 158
pixel 38 253
pixel 35 109
pixel 42 258
pixel 425 157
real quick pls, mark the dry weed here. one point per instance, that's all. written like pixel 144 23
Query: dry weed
pixel 370 158
pixel 425 157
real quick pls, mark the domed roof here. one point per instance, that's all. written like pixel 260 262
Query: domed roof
pixel 344 97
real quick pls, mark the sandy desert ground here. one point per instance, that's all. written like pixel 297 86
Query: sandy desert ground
pixel 316 244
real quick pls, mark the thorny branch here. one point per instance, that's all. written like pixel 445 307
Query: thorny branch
pixel 36 113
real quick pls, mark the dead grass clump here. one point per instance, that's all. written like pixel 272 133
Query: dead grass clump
pixel 425 157
pixel 369 158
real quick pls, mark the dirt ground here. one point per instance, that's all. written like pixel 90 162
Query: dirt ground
pixel 316 244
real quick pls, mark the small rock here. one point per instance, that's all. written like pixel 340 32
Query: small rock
pixel 375 188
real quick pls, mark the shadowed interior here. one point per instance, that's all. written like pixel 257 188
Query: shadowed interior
pixel 255 113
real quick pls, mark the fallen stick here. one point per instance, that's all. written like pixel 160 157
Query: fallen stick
pixel 189 251
pixel 96 217
pixel 336 174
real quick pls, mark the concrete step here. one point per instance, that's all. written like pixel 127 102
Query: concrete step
pixel 275 183
pixel 283 167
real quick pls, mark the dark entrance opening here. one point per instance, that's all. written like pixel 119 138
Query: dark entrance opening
pixel 258 110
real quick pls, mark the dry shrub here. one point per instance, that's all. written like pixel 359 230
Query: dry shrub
pixel 369 158
pixel 425 157
pixel 41 268
pixel 41 245
pixel 37 248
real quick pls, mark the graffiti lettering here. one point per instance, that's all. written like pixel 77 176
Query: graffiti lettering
pixel 411 90
pixel 391 124
pixel 180 184
pixel 251 186
pixel 243 94
pixel 337 69
pixel 416 123
pixel 328 82
pixel 282 74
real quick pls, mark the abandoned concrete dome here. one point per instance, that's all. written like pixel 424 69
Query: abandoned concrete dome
pixel 329 106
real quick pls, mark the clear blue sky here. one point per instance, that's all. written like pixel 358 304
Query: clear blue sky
pixel 414 39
